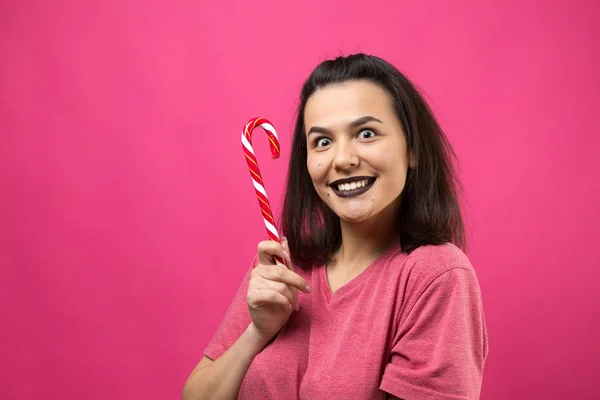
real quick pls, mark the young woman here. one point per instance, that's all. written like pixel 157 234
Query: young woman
pixel 378 300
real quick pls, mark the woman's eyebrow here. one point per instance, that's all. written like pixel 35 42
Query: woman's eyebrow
pixel 354 124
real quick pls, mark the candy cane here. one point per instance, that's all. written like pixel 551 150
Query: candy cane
pixel 257 181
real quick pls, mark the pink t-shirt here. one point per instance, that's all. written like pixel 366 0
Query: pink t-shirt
pixel 409 325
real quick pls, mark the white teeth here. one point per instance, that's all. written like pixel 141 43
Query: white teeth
pixel 344 187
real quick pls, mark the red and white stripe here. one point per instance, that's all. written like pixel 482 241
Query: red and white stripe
pixel 257 181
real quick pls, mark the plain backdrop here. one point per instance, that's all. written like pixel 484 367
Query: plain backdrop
pixel 127 214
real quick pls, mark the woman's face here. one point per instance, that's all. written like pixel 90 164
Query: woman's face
pixel 357 152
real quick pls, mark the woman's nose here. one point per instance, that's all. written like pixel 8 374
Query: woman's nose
pixel 345 157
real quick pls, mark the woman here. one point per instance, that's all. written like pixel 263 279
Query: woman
pixel 378 301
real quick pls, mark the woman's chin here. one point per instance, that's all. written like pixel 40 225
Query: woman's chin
pixel 355 216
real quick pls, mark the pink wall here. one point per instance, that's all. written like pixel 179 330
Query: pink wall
pixel 127 213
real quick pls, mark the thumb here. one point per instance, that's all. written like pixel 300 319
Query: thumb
pixel 288 261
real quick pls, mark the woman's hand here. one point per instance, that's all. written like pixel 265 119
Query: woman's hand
pixel 273 289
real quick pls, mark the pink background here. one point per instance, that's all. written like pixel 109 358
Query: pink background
pixel 127 215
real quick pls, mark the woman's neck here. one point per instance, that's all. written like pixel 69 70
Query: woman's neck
pixel 363 242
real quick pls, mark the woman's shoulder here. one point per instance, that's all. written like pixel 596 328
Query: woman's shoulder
pixel 430 261
pixel 445 255
pixel 431 267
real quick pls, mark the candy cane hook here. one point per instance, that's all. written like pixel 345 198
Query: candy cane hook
pixel 257 181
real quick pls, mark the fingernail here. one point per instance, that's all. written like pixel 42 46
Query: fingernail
pixel 286 255
pixel 308 289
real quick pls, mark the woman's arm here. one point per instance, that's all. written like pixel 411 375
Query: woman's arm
pixel 221 379
pixel 271 298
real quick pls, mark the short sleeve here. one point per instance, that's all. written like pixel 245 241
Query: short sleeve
pixel 236 320
pixel 440 348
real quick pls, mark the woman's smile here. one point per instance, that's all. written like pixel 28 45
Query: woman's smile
pixel 352 187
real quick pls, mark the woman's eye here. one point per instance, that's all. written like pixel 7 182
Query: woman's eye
pixel 366 134
pixel 322 142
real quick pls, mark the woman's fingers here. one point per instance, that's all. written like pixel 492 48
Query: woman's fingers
pixel 258 282
pixel 268 249
pixel 279 274
pixel 280 287
pixel 286 251
pixel 287 281
pixel 261 297
pixel 290 266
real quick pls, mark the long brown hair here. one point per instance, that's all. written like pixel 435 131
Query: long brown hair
pixel 430 211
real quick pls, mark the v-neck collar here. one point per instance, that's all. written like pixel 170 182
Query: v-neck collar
pixel 331 298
